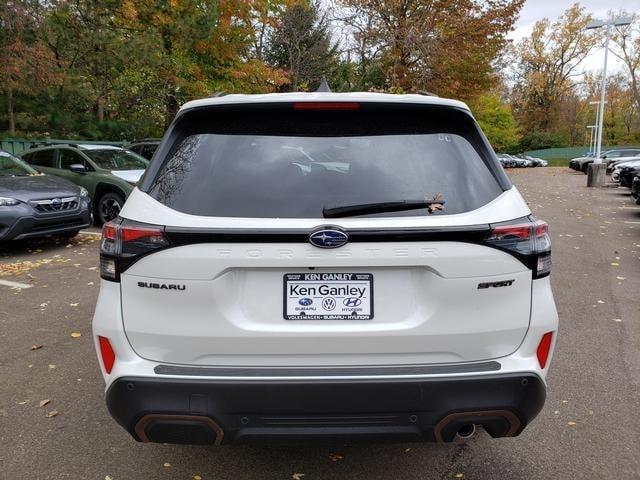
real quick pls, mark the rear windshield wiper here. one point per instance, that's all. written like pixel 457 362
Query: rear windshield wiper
pixel 381 207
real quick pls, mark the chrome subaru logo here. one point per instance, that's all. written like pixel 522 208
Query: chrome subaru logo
pixel 305 302
pixel 56 201
pixel 328 238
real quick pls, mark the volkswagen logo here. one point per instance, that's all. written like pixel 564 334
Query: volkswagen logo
pixel 328 303
pixel 328 238
pixel 351 302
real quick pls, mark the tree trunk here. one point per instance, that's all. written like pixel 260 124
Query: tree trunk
pixel 170 106
pixel 100 108
pixel 12 120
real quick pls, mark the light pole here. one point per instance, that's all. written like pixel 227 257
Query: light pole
pixel 592 130
pixel 596 172
pixel 595 127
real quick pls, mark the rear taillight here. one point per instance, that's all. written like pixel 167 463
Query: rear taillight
pixel 124 242
pixel 527 240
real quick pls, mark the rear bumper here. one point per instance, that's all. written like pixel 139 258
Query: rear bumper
pixel 197 411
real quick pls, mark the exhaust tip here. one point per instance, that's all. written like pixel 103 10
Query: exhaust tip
pixel 466 431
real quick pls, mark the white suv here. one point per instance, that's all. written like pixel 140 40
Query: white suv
pixel 344 266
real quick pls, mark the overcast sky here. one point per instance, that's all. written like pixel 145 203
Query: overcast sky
pixel 535 10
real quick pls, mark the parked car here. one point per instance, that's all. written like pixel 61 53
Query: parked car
pixel 36 205
pixel 109 173
pixel 615 174
pixel 581 164
pixel 145 147
pixel 619 162
pixel 537 162
pixel 635 190
pixel 627 174
pixel 335 265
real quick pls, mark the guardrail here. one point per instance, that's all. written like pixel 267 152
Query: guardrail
pixel 15 146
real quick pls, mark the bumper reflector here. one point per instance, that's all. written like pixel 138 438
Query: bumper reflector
pixel 107 353
pixel 543 349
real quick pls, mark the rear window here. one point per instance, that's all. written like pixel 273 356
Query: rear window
pixel 289 164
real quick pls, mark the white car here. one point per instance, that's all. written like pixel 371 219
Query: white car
pixel 352 266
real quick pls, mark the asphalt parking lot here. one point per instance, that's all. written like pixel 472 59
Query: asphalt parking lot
pixel 589 428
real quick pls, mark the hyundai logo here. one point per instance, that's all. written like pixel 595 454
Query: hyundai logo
pixel 328 238
pixel 305 302
pixel 351 302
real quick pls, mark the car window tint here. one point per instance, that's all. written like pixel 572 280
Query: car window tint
pixel 69 157
pixel 148 151
pixel 41 158
pixel 244 172
pixel 111 159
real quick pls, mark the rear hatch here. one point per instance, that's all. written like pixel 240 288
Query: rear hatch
pixel 247 270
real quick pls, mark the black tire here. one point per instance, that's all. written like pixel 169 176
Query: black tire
pixel 108 207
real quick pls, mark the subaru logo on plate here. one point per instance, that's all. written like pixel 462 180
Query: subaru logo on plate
pixel 305 302
pixel 328 238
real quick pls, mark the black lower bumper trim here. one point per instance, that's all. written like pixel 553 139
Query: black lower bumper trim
pixel 292 411
pixel 258 372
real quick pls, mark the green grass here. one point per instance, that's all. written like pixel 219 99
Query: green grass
pixel 558 162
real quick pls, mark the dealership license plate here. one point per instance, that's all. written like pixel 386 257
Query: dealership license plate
pixel 328 296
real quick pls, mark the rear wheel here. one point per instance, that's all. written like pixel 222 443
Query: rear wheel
pixel 108 207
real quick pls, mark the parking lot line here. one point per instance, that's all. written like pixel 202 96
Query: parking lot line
pixel 9 283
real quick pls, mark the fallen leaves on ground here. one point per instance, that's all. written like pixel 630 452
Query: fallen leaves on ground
pixel 36 347
pixel 52 366
pixel 44 402
pixel 459 475
pixel 335 457
pixel 167 465
pixel 297 476
pixel 73 304
pixel 572 424
pixel 76 334
pixel 20 268
pixel 52 413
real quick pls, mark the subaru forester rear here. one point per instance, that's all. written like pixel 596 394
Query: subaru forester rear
pixel 319 265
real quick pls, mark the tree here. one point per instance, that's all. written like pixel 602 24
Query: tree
pixel 301 45
pixel 546 64
pixel 497 121
pixel 24 60
pixel 444 46
pixel 626 40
